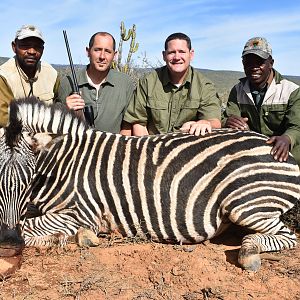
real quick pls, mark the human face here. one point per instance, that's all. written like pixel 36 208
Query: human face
pixel 257 69
pixel 101 54
pixel 178 56
pixel 28 52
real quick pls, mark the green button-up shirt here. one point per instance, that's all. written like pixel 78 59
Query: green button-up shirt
pixel 164 107
pixel 111 102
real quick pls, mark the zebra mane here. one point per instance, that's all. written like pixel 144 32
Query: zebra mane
pixel 34 116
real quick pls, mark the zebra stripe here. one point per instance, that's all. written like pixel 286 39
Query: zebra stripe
pixel 163 226
pixel 173 187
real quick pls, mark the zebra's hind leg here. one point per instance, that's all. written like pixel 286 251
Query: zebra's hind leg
pixel 254 244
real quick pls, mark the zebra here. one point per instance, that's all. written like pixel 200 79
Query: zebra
pixel 173 187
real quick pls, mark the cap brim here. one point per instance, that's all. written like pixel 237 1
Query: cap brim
pixel 25 36
pixel 257 52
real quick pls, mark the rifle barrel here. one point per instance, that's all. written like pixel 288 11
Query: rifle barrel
pixel 76 88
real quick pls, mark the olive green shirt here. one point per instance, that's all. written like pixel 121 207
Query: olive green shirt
pixel 109 104
pixel 163 107
pixel 278 114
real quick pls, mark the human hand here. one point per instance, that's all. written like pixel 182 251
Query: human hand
pixel 237 122
pixel 280 150
pixel 75 102
pixel 197 128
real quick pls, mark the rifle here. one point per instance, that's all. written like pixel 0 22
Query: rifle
pixel 87 114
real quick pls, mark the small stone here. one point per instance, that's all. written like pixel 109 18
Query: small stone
pixel 177 271
pixel 8 265
pixel 86 238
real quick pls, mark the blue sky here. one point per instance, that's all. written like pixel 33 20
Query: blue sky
pixel 218 29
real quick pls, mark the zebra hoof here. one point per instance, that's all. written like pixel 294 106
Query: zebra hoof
pixel 86 238
pixel 249 261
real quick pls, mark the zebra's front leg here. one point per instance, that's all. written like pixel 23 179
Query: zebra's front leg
pixel 254 244
pixel 51 229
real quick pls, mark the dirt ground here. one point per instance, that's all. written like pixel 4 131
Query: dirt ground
pixel 137 270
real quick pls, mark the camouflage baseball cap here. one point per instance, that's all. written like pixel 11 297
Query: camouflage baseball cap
pixel 27 31
pixel 258 46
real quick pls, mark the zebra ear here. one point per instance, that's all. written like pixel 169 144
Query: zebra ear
pixel 43 141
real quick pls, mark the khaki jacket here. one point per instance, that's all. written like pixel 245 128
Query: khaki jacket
pixel 14 84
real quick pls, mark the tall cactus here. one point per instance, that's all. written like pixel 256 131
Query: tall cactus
pixel 131 34
pixel 133 46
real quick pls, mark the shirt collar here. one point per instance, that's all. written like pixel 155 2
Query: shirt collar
pixel 24 75
pixel 110 78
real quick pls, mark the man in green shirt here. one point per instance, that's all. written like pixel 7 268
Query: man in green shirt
pixel 174 97
pixel 266 102
pixel 106 90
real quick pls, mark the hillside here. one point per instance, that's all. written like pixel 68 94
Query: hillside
pixel 223 80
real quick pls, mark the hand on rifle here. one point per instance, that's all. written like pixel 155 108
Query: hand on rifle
pixel 75 102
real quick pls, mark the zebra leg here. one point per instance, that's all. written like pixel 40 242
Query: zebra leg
pixel 253 244
pixel 49 230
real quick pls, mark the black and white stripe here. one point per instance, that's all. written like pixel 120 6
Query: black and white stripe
pixel 173 187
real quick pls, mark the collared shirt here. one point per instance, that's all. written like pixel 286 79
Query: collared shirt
pixel 279 112
pixel 164 107
pixel 14 84
pixel 259 96
pixel 109 103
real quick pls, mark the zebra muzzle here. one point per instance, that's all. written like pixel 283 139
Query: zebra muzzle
pixel 11 241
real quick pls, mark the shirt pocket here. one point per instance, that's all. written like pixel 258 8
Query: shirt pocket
pixel 157 111
pixel 158 104
pixel 188 112
pixel 191 104
pixel 274 117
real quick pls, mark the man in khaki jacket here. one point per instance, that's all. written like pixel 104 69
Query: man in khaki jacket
pixel 25 75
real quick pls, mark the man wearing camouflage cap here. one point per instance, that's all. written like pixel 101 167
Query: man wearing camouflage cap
pixel 266 102
pixel 25 75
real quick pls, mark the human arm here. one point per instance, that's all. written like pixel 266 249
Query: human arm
pixel 231 117
pixel 75 102
pixel 136 113
pixel 139 130
pixel 56 89
pixel 126 129
pixel 237 122
pixel 6 95
pixel 290 129
pixel 65 95
pixel 209 107
pixel 281 148
pixel 200 127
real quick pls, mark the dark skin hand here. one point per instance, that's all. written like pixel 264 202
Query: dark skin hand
pixel 280 150
pixel 237 122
